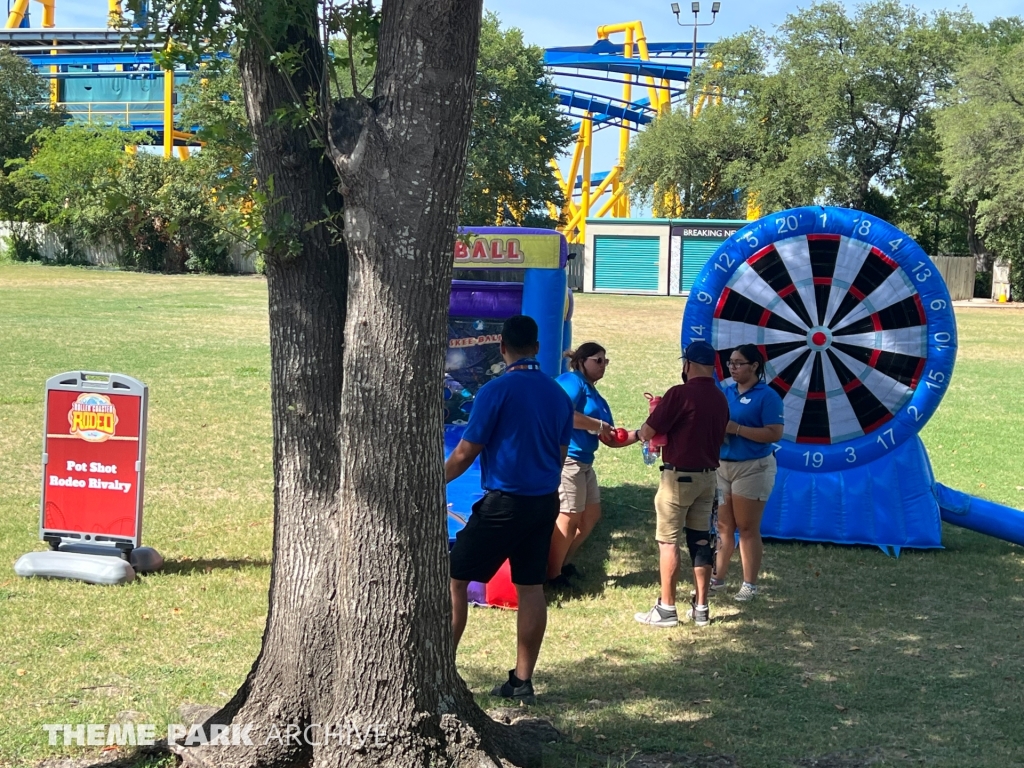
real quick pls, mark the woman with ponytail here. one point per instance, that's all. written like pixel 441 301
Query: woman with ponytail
pixel 580 494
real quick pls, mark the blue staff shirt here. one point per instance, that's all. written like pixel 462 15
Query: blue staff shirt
pixel 522 419
pixel 588 401
pixel 759 406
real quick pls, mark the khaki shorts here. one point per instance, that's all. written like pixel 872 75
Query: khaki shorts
pixel 684 500
pixel 752 479
pixel 579 487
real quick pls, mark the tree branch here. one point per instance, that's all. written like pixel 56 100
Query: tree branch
pixel 351 121
pixel 352 66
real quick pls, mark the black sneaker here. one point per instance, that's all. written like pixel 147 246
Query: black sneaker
pixel 560 582
pixel 570 571
pixel 515 689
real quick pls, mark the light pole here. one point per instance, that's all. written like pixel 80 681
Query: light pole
pixel 695 7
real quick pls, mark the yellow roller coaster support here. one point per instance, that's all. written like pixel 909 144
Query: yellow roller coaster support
pixel 753 207
pixel 634 45
pixel 587 133
pixel 115 16
pixel 168 112
pixel 578 219
pixel 16 15
pixel 20 8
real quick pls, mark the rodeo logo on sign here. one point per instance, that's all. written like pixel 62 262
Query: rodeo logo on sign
pixel 93 418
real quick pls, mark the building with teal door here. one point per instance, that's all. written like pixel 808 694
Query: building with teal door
pixel 654 257
pixel 691 243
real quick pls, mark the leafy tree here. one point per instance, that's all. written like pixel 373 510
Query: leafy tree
pixel 24 107
pixel 163 216
pixel 359 214
pixel 826 110
pixel 65 181
pixel 869 79
pixel 691 167
pixel 982 135
pixel 212 105
pixel 81 183
pixel 517 127
pixel 517 131
pixel 920 202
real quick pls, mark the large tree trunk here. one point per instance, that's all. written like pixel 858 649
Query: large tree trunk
pixel 397 660
pixel 975 243
pixel 358 636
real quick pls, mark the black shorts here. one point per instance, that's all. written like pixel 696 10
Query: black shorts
pixel 503 527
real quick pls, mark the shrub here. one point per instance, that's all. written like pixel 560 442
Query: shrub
pixel 21 244
pixel 160 215
pixel 982 285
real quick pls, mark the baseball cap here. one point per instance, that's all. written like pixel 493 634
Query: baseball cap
pixel 700 352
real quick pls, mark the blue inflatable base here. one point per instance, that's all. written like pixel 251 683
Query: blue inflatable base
pixel 887 503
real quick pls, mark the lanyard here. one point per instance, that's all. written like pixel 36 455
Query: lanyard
pixel 527 364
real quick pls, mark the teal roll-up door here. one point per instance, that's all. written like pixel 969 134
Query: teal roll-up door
pixel 695 255
pixel 626 263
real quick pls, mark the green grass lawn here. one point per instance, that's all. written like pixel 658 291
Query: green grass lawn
pixel 849 657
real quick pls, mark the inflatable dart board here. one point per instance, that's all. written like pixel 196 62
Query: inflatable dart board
pixel 856 326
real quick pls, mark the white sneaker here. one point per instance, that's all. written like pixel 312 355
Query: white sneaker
pixel 747 593
pixel 658 616
pixel 716 585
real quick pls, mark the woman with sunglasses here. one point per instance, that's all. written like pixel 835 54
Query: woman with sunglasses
pixel 580 494
pixel 746 473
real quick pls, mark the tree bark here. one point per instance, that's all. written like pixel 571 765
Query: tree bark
pixel 357 665
pixel 975 243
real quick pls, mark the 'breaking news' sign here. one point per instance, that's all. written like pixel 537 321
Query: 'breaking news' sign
pixel 94 455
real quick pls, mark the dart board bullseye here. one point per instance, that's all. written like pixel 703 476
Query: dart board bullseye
pixel 853 319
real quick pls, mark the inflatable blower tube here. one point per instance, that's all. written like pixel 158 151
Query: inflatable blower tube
pixel 544 301
pixel 981 515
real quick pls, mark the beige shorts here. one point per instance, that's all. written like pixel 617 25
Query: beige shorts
pixel 752 479
pixel 579 487
pixel 684 500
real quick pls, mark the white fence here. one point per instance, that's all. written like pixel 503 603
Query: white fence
pixel 958 272
pixel 105 254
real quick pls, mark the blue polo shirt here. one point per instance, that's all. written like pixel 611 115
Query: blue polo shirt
pixel 522 418
pixel 759 406
pixel 588 401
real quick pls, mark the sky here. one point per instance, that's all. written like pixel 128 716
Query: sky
pixel 573 22
pixel 550 23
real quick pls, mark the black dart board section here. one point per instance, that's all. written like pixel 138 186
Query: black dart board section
pixel 856 326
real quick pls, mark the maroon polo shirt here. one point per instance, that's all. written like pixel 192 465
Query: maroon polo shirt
pixel 693 417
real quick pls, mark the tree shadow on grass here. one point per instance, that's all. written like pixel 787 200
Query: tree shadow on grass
pixel 189 567
pixel 781 682
pixel 627 527
pixel 848 658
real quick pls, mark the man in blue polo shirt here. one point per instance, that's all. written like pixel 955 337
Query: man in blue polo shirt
pixel 520 426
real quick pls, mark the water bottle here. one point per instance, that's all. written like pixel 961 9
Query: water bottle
pixel 651 453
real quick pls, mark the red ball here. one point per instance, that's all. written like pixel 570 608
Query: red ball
pixel 621 435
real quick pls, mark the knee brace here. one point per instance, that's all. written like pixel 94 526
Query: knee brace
pixel 699 544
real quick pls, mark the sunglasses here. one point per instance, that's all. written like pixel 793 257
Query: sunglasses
pixel 600 360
